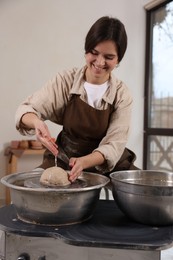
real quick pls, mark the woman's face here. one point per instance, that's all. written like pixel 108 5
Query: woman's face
pixel 100 62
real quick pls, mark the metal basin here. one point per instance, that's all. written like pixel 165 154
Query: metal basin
pixel 146 196
pixel 54 206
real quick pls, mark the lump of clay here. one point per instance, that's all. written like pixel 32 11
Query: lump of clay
pixel 54 176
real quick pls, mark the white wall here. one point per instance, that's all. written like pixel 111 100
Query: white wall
pixel 38 38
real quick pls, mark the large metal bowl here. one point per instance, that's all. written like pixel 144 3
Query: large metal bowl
pixel 54 206
pixel 146 196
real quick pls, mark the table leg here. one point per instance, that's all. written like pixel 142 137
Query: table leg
pixel 11 168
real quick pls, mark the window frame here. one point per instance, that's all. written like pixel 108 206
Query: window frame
pixel 148 131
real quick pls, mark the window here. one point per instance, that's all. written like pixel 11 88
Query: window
pixel 158 118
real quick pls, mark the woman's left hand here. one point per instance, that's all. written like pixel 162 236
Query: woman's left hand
pixel 77 167
pixel 84 162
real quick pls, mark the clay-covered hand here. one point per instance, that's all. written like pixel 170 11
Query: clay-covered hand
pixel 77 167
pixel 84 162
pixel 43 135
pixel 31 121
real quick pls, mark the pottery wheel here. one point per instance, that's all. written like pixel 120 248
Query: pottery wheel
pixel 35 183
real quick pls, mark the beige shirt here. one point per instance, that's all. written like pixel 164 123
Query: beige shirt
pixel 49 103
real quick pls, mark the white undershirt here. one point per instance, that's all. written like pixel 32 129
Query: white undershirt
pixel 95 93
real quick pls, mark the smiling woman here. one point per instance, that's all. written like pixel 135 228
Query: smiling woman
pixel 92 105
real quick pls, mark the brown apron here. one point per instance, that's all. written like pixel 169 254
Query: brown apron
pixel 83 129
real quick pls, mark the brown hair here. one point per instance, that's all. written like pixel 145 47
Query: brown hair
pixel 107 28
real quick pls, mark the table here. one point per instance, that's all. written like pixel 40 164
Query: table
pixel 108 235
pixel 12 160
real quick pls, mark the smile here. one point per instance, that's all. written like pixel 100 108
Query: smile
pixel 98 69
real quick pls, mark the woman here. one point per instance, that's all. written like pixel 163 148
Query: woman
pixel 92 105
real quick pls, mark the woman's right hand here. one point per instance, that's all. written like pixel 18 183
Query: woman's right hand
pixel 43 135
pixel 31 120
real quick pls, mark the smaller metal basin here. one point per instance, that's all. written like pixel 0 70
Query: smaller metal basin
pixel 54 206
pixel 146 196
